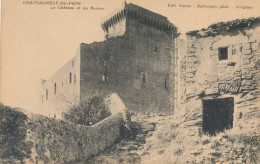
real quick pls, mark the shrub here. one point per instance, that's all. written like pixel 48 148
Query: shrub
pixel 88 112
pixel 13 131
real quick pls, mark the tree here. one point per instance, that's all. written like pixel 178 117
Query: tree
pixel 88 112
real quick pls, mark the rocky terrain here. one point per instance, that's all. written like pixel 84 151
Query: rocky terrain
pixel 159 140
pixel 133 148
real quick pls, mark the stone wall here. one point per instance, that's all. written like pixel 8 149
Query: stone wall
pixel 136 66
pixel 36 138
pixel 203 76
pixel 67 92
pixel 134 61
pixel 153 50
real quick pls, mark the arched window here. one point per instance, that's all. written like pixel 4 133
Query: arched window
pixel 70 78
pixel 55 88
pixel 46 94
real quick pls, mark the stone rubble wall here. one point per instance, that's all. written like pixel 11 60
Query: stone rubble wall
pixel 36 138
pixel 203 76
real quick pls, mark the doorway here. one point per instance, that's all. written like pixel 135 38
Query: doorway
pixel 217 115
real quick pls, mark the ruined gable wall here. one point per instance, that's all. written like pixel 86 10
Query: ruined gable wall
pixel 202 74
pixel 67 93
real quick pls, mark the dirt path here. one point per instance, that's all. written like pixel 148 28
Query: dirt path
pixel 133 149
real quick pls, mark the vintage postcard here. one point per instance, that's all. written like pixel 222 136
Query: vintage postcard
pixel 130 81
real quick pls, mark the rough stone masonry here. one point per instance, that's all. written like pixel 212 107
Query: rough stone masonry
pixel 155 69
pixel 219 62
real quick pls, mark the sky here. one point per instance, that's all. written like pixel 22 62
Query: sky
pixel 36 40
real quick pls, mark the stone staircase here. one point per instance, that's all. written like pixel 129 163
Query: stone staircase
pixel 130 149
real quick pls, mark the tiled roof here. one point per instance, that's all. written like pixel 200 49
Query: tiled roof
pixel 222 28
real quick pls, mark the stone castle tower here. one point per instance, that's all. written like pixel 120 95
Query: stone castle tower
pixel 128 19
pixel 134 61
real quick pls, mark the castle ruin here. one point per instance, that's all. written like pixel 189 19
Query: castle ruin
pixel 204 77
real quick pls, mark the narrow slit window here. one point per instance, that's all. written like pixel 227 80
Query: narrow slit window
pixel 165 83
pixel 55 88
pixel 144 78
pixel 70 78
pixel 105 78
pixel 74 78
pixel 46 94
pixel 223 53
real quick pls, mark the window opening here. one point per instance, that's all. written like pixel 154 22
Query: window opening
pixel 144 78
pixel 165 83
pixel 105 78
pixel 46 94
pixel 217 115
pixel 70 78
pixel 55 87
pixel 223 53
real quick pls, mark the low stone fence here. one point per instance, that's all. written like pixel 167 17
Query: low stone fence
pixel 36 138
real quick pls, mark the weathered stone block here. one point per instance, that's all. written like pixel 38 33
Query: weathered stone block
pixel 192 50
pixel 237 73
pixel 249 66
pixel 247 56
pixel 191 59
pixel 189 96
pixel 247 52
pixel 190 75
pixel 257 56
pixel 212 78
pixel 255 46
pixel 213 53
pixel 190 89
pixel 246 76
pixel 246 46
pixel 191 69
pixel 246 61
pixel 211 90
